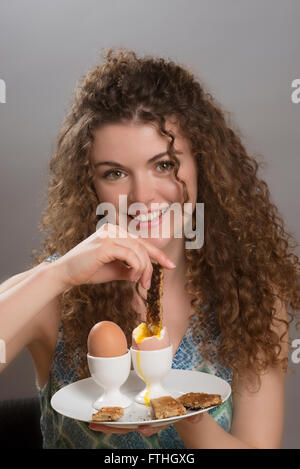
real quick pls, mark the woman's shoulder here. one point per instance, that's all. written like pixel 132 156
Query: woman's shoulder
pixel 53 257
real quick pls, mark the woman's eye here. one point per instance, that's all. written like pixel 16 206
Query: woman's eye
pixel 166 166
pixel 113 174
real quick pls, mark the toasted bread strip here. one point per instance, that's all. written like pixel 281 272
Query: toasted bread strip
pixel 167 406
pixel 154 315
pixel 108 414
pixel 199 400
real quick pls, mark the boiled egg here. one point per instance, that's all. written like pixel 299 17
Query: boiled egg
pixel 106 339
pixel 143 339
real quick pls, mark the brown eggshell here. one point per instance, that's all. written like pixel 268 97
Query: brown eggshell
pixel 106 339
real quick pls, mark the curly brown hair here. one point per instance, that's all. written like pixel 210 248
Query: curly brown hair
pixel 246 261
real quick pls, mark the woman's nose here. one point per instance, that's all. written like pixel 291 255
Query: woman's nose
pixel 142 190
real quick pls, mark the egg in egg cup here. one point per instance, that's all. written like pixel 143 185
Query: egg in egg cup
pixel 152 366
pixel 110 373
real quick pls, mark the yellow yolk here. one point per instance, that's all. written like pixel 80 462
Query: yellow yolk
pixel 146 398
pixel 142 332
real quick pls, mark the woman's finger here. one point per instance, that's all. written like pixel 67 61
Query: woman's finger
pixel 146 273
pixel 121 252
pixel 195 418
pixel 157 255
pixel 97 427
pixel 145 265
pixel 117 232
pixel 148 430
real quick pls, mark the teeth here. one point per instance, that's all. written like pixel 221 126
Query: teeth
pixel 151 216
pixel 148 217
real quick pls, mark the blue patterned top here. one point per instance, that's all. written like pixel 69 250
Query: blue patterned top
pixel 65 433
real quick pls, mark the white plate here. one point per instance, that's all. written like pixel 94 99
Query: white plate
pixel 76 399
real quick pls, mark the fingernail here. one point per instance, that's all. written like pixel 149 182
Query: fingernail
pixel 171 264
pixel 148 284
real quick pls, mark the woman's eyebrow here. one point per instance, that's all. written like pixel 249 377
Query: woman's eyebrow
pixel 115 163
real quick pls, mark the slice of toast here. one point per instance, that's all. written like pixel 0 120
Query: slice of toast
pixel 166 406
pixel 108 414
pixel 154 315
pixel 199 400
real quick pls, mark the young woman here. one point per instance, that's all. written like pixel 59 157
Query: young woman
pixel 145 128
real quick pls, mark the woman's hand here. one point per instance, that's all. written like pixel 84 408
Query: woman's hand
pixel 102 257
pixel 194 418
pixel 145 430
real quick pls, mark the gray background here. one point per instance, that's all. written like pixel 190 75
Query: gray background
pixel 245 52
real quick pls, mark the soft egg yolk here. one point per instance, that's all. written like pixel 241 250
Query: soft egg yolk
pixel 143 332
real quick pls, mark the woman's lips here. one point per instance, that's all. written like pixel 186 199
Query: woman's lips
pixel 145 225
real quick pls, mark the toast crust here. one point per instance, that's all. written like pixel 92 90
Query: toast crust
pixel 199 400
pixel 108 414
pixel 154 314
pixel 166 406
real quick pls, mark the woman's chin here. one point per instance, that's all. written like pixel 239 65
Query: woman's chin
pixel 159 243
pixel 159 240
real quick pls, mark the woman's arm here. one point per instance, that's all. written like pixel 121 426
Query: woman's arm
pixel 22 298
pixel 257 420
pixel 258 417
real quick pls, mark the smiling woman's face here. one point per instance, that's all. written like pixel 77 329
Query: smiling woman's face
pixel 123 158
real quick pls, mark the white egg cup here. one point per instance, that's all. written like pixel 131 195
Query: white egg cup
pixel 110 374
pixel 152 366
